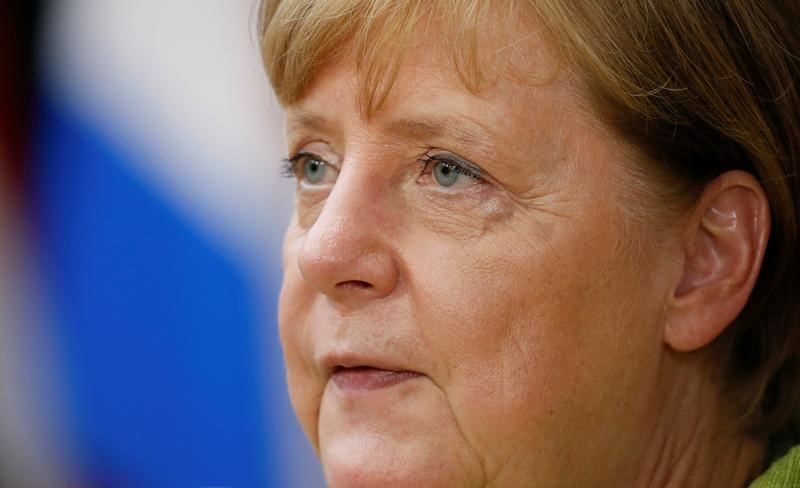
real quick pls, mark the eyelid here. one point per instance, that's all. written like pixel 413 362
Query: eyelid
pixel 295 158
pixel 305 154
pixel 318 149
pixel 468 168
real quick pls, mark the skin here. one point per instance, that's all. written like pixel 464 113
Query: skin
pixel 538 316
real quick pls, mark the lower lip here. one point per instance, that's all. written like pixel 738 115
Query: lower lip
pixel 364 378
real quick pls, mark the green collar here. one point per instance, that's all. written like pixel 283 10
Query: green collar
pixel 784 472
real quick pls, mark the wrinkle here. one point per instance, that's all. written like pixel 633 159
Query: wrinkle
pixel 475 453
pixel 693 445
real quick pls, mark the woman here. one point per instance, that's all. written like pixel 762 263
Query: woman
pixel 541 243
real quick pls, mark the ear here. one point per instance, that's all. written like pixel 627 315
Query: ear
pixel 723 248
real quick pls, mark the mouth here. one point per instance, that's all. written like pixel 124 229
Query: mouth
pixel 368 378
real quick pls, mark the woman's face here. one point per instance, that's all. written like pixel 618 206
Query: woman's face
pixel 466 301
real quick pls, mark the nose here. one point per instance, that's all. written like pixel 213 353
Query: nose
pixel 348 253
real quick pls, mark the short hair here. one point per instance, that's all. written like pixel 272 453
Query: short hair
pixel 699 87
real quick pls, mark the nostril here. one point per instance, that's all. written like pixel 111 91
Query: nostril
pixel 354 284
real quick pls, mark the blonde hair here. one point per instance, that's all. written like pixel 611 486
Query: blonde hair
pixel 699 87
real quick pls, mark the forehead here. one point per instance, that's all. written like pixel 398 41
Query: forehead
pixel 303 35
pixel 523 84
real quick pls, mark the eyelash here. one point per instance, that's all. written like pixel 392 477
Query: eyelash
pixel 289 168
pixel 460 166
pixel 290 164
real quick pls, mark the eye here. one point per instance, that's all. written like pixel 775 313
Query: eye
pixel 310 169
pixel 449 171
pixel 447 174
pixel 314 171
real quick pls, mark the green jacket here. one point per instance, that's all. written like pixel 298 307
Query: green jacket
pixel 784 472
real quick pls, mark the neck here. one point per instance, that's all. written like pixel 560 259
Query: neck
pixel 695 441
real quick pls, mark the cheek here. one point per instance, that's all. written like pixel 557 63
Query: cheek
pixel 529 330
pixel 493 325
pixel 294 305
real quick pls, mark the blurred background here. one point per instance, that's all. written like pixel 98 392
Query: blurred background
pixel 141 213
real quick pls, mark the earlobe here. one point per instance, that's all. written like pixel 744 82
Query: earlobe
pixel 723 248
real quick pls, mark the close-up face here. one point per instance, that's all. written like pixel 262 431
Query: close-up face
pixel 467 299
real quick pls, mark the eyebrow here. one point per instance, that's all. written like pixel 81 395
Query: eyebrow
pixel 441 127
pixel 447 128
pixel 307 120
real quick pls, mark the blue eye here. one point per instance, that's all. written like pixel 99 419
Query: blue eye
pixel 310 169
pixel 446 174
pixel 314 171
pixel 451 171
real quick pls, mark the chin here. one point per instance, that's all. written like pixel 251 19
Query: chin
pixel 374 461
